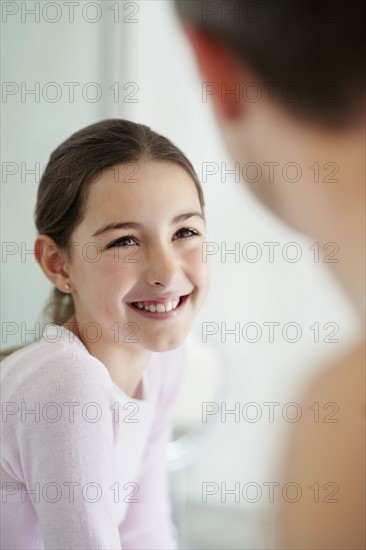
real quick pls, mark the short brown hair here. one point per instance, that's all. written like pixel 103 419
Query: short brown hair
pixel 315 46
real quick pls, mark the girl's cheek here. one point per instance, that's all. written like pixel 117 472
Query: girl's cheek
pixel 119 274
pixel 80 267
pixel 198 265
pixel 122 256
pixel 107 272
pixel 205 275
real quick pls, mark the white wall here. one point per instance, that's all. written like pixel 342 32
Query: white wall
pixel 36 53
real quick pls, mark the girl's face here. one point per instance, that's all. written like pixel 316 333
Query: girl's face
pixel 136 259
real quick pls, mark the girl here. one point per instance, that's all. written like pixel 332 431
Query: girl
pixel 87 409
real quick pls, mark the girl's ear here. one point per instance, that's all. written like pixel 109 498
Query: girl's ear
pixel 52 261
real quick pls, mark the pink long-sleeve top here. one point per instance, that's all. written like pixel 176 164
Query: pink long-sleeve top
pixel 83 466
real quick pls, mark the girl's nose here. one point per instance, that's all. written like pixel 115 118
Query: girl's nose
pixel 161 267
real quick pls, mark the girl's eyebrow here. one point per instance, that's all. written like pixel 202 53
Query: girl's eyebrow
pixel 183 217
pixel 117 225
pixel 134 225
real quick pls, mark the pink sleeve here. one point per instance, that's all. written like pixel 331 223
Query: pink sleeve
pixel 67 463
pixel 148 523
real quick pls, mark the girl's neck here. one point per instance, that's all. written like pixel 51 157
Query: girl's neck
pixel 125 364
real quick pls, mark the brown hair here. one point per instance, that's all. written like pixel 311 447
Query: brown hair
pixel 72 167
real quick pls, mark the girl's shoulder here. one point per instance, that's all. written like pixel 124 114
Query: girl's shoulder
pixel 58 358
pixel 58 362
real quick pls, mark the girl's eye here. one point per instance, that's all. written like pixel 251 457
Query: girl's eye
pixel 123 241
pixel 184 233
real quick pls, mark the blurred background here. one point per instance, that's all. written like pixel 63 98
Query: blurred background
pixel 272 319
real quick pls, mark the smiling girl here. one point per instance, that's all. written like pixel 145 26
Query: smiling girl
pixel 87 409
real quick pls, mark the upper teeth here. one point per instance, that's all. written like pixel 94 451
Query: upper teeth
pixel 158 308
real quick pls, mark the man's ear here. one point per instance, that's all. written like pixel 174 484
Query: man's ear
pixel 220 69
pixel 52 261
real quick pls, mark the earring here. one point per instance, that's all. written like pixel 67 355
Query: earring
pixel 67 286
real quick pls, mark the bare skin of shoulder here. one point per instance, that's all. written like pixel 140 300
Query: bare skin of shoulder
pixel 327 459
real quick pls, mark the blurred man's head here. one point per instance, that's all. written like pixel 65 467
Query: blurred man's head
pixel 308 52
pixel 286 79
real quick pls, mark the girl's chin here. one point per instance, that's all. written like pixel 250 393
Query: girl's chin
pixel 164 344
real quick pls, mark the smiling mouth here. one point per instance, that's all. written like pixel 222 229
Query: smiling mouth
pixel 159 307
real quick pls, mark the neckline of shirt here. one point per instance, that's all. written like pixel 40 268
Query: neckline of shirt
pixel 144 380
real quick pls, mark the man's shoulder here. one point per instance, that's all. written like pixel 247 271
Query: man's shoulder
pixel 327 455
pixel 344 378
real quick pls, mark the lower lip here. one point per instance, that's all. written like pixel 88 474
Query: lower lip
pixel 165 314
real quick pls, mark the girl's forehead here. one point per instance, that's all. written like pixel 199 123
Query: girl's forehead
pixel 158 191
pixel 142 171
pixel 149 181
